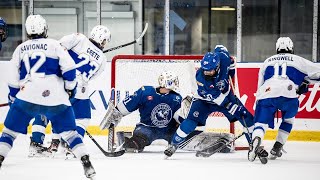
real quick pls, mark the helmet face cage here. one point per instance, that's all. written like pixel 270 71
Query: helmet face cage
pixel 169 80
pixel 36 25
pixel 284 45
pixel 100 34
pixel 4 32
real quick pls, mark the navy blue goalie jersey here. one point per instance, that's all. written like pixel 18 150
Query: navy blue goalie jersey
pixel 156 109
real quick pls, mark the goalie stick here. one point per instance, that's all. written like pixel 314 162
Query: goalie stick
pixel 207 153
pixel 106 153
pixel 129 43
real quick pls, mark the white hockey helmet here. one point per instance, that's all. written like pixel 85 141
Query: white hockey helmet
pixel 169 80
pixel 284 45
pixel 36 25
pixel 101 35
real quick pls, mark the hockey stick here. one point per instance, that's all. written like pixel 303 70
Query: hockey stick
pixel 129 43
pixel 4 104
pixel 207 152
pixel 108 154
pixel 244 122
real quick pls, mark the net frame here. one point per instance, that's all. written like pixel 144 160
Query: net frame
pixel 159 57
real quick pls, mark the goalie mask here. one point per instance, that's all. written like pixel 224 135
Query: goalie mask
pixel 284 45
pixel 36 26
pixel 169 80
pixel 100 35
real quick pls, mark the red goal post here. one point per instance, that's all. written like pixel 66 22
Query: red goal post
pixel 130 72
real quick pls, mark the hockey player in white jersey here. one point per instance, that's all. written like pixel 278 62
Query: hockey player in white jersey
pixel 43 81
pixel 281 79
pixel 90 62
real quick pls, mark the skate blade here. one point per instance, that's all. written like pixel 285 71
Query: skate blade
pixel 272 157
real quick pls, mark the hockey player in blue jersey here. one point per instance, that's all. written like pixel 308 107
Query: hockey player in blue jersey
pixel 158 108
pixel 90 61
pixel 213 94
pixel 281 78
pixel 43 81
pixel 3 31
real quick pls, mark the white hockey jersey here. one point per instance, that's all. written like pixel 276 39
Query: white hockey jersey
pixel 281 75
pixel 90 60
pixel 43 69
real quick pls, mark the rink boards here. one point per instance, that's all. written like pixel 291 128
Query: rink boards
pixel 306 127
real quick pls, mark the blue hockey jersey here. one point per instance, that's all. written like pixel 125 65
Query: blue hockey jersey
pixel 209 89
pixel 156 109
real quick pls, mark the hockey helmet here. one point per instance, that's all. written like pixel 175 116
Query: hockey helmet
pixel 210 61
pixel 284 45
pixel 101 35
pixel 36 25
pixel 169 80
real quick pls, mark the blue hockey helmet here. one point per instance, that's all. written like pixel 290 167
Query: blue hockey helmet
pixel 210 61
pixel 4 32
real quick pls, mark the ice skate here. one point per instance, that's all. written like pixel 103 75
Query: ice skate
pixel 87 166
pixel 37 150
pixel 276 151
pixel 256 150
pixel 69 154
pixel 1 160
pixel 131 146
pixel 53 148
pixel 171 149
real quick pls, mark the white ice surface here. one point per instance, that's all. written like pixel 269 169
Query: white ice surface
pixel 301 162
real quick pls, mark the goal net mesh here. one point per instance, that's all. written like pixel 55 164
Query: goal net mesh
pixel 130 72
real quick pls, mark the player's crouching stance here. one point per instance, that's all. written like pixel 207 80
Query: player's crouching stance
pixel 158 107
pixel 281 78
pixel 43 82
pixel 211 97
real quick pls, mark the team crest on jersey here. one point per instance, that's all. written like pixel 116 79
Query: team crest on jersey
pixel 161 115
pixel 290 87
pixel 196 114
pixel 46 93
pixel 83 89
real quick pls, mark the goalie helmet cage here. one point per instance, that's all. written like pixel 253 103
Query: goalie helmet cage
pixel 130 72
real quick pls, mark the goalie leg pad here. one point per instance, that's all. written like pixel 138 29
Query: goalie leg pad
pixel 136 143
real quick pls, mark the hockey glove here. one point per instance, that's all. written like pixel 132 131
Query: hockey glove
pixel 236 110
pixel 303 88
pixel 72 92
pixel 10 100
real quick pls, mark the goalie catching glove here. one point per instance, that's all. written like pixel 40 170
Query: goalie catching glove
pixel 113 116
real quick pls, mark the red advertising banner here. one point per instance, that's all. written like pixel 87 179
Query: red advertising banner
pixel 247 83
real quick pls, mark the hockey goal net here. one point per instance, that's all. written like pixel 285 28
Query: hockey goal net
pixel 130 72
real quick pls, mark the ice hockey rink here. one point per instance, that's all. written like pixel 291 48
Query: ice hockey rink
pixel 302 161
